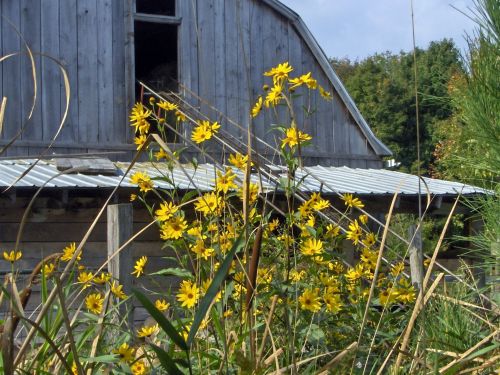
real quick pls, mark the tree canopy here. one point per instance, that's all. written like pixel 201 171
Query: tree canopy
pixel 382 86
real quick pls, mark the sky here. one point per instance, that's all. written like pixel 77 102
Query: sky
pixel 359 28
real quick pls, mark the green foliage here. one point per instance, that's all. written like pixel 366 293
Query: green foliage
pixel 382 86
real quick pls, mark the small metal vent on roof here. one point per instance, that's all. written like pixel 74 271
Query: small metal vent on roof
pixel 90 166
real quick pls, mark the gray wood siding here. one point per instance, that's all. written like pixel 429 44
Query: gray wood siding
pixel 224 48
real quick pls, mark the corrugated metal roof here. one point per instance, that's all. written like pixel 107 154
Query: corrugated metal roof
pixel 326 179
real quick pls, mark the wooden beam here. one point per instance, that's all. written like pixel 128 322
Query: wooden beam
pixel 120 229
pixel 416 257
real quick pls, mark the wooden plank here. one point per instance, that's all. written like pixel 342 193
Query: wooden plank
pixel 129 51
pixel 232 65
pixel 68 53
pixel 295 47
pixel 51 78
pixel 11 68
pixel 105 71
pixel 88 99
pixel 64 232
pixel 121 129
pixel 257 70
pixel 206 62
pixel 30 29
pixel 416 256
pixel 220 61
pixel 341 135
pixel 244 94
pixel 120 229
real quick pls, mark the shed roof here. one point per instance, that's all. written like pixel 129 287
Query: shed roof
pixel 374 182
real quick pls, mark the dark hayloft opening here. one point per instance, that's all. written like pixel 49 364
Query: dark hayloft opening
pixel 156 55
pixel 160 7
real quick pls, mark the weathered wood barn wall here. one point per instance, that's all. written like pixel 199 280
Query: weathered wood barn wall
pixel 221 48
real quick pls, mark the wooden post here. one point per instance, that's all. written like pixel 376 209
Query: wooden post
pixel 416 257
pixel 476 226
pixel 120 229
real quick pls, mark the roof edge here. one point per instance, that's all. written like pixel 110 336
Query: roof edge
pixel 380 148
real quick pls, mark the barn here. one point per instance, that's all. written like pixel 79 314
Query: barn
pixel 208 56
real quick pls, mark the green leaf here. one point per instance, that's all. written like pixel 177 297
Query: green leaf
pixel 161 320
pixel 188 196
pixel 108 358
pixel 167 363
pixel 179 272
pixel 214 288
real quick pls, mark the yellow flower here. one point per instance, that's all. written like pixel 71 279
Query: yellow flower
pixel 370 239
pixel 332 300
pixel 140 140
pixel 139 266
pixel 296 276
pixel 103 278
pixel 369 257
pixel 166 211
pixel 238 160
pixel 354 233
pixel 125 353
pixel 167 106
pixel 332 230
pixel 225 182
pixel 427 261
pixel 304 79
pixel 201 250
pixel 405 292
pixel 85 278
pixel 274 96
pixel 138 368
pixel 397 268
pixel 181 117
pixel 146 331
pixel 188 294
pixel 227 314
pixel 116 289
pixel 272 225
pixel 309 300
pixel 174 228
pixel 257 107
pixel 161 154
pixel 48 269
pixel 162 305
pixel 325 94
pixel 138 118
pixel 363 219
pixel 94 302
pixel 204 131
pixel 279 73
pixel 354 274
pixel 387 297
pixel 12 256
pixel 133 197
pixel 209 204
pixel 293 138
pixel 352 202
pixel 253 192
pixel 311 247
pixel 143 181
pixel 68 252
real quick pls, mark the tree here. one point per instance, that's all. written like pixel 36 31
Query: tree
pixel 382 85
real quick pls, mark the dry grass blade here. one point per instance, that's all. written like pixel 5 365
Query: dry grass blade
pixel 268 328
pixel 339 357
pixel 406 337
pixel 273 357
pixel 463 356
pixel 489 363
pixel 69 330
pixel 419 305
pixel 2 113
